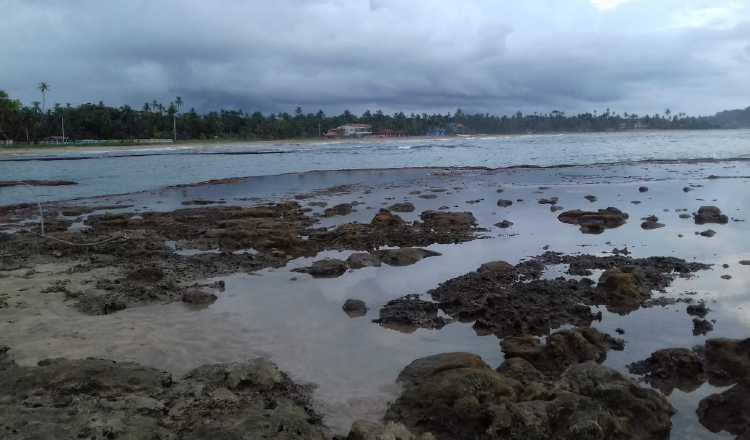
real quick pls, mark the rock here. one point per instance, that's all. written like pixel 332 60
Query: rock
pixel 327 268
pixel 402 207
pixel 651 223
pixel 504 224
pixel 503 203
pixel 699 309
pixel 562 349
pixel 591 222
pixel 728 358
pixel 385 219
pixel 403 256
pixel 521 370
pixel 707 233
pixel 745 262
pixel 555 208
pixel 684 215
pixel 96 398
pixel 425 368
pixel 340 209
pixel 358 260
pixel 672 368
pixel 427 196
pixel 709 214
pixel 8 183
pixel 198 296
pixel 701 326
pixel 590 198
pixel 448 221
pixel 497 267
pixel 623 288
pixel 355 308
pixel 587 401
pixel 408 313
pixel 726 277
pixel 728 411
pixel 643 189
pixel 364 430
pixel 548 201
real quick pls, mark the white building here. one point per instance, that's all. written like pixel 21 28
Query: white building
pixel 355 130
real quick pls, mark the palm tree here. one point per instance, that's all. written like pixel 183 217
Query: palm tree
pixel 44 88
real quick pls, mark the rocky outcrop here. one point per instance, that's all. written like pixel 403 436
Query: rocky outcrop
pixel 354 308
pixel 94 398
pixel 709 214
pixel 402 207
pixel 340 209
pixel 403 256
pixel 409 313
pixel 327 268
pixel 594 222
pixel 466 399
pixel 562 349
pixel 672 368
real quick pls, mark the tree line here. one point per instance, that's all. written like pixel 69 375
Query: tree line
pixel 35 123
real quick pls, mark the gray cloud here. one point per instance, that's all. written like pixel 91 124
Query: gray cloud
pixel 422 55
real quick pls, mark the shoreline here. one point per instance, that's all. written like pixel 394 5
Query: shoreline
pixel 252 260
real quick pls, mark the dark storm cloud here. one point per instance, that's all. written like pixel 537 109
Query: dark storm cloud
pixel 422 55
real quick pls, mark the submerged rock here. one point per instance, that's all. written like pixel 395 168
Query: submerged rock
pixel 594 222
pixel 549 201
pixel 504 224
pixel 643 189
pixel 402 207
pixel 355 308
pixel 197 296
pixel 701 326
pixel 590 198
pixel 404 256
pixel 425 368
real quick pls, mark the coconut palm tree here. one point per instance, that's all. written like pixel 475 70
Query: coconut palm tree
pixel 44 88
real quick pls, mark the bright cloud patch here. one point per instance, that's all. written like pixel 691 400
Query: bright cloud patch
pixel 607 4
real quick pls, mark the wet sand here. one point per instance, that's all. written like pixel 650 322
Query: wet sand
pixel 297 321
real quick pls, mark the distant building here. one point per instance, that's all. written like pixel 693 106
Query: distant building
pixel 57 139
pixel 355 130
pixel 350 130
pixel 6 142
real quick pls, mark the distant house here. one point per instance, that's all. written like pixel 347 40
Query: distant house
pixel 350 130
pixel 355 130
pixel 57 139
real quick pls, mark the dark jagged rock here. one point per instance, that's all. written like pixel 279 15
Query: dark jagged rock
pixel 699 309
pixel 425 368
pixel 408 313
pixel 672 368
pixel 701 327
pixel 728 358
pixel 594 222
pixel 94 398
pixel 328 268
pixel 590 198
pixel 707 233
pixel 728 411
pixel 508 300
pixel 643 189
pixel 562 349
pixel 710 214
pixel 469 401
pixel 549 201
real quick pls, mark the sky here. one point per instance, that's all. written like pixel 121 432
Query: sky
pixel 495 56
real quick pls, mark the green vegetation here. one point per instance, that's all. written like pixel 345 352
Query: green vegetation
pixel 33 124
